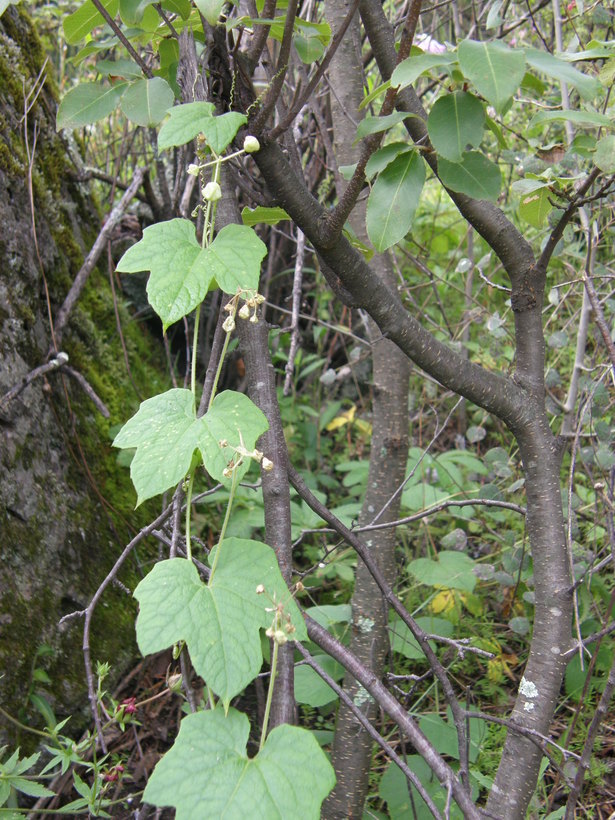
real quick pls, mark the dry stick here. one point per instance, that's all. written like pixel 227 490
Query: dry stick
pixel 59 361
pixel 600 713
pixel 123 39
pixel 89 611
pixel 92 257
pixel 393 601
pixel 87 389
pixel 396 712
pixel 294 322
pixel 324 64
pixel 599 316
pixel 371 731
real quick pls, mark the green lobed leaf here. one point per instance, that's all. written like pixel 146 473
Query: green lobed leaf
pixel 182 272
pixel 394 199
pixel 475 176
pixel 164 431
pixel 451 570
pixel 410 69
pixel 455 122
pixel 207 771
pixel 219 621
pixel 558 69
pixel 188 120
pixel 184 123
pixel 88 103
pixel 233 418
pixel 145 102
pixel 495 70
pixel 81 22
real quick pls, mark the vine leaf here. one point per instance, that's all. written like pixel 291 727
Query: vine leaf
pixel 208 766
pixel 165 432
pixel 495 70
pixel 219 622
pixel 182 271
pixel 233 418
pixel 394 199
pixel 190 119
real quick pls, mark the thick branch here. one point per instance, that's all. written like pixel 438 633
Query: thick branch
pixel 493 392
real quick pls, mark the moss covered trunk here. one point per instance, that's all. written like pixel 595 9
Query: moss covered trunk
pixel 63 500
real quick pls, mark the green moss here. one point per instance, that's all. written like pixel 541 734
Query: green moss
pixel 94 496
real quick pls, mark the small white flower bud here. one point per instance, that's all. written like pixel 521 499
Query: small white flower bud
pixel 266 464
pixel 193 169
pixel 251 145
pixel 244 312
pixel 227 472
pixel 212 192
pixel 228 325
pixel 280 637
pixel 254 319
pixel 260 589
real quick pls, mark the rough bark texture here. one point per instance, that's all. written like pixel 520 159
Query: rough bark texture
pixel 352 748
pixel 59 538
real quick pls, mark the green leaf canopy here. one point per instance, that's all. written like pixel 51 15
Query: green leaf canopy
pixel 182 271
pixel 219 621
pixel 207 773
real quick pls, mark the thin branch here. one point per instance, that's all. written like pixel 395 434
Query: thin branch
pixel 314 80
pixel 92 258
pixel 592 733
pixel 294 322
pixel 393 601
pixel 396 712
pixel 58 361
pixel 371 731
pixel 123 39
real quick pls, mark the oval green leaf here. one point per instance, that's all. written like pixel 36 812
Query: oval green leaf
pixel 394 199
pixel 146 102
pixel 475 176
pixel 455 122
pixel 495 70
pixel 88 103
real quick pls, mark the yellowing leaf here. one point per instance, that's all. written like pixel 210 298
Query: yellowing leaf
pixel 444 601
pixel 341 420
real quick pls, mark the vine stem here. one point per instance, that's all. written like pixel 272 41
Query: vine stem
pixel 214 386
pixel 225 523
pixel 188 516
pixel 274 666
